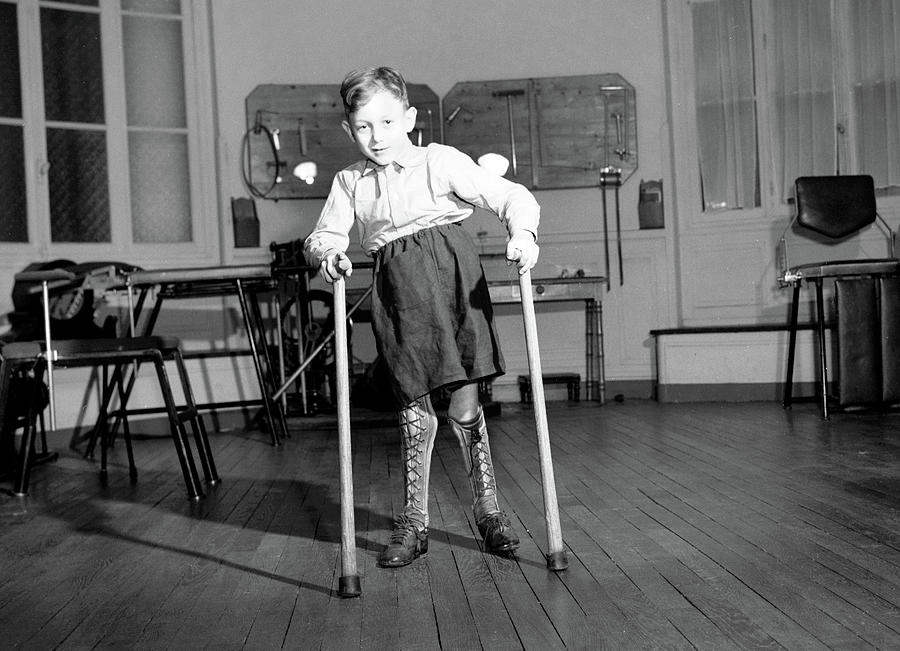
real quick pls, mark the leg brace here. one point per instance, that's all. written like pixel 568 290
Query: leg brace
pixel 418 427
pixel 473 439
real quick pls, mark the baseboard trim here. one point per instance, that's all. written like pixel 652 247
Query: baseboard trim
pixel 638 389
pixel 732 392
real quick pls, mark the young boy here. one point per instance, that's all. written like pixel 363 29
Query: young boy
pixel 431 308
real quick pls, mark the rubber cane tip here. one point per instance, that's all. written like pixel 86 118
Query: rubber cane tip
pixel 557 561
pixel 348 586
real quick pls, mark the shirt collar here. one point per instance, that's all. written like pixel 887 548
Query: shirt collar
pixel 412 157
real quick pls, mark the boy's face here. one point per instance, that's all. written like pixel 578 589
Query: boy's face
pixel 380 127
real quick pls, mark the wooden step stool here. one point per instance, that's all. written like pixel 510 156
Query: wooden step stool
pixel 571 380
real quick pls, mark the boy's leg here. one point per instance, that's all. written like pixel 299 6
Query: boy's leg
pixel 409 539
pixel 471 432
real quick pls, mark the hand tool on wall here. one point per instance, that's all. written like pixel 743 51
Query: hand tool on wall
pixel 605 227
pixel 616 186
pixel 621 151
pixel 611 176
pixel 509 94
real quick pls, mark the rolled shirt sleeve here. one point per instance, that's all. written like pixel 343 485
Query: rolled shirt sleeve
pixel 332 231
pixel 429 186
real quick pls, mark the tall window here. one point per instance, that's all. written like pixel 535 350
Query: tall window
pixel 726 104
pixel 786 88
pixel 874 26
pixel 13 210
pixel 99 130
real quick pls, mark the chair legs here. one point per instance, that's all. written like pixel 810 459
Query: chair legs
pixel 823 360
pixel 33 426
pixel 201 438
pixel 103 431
pixel 176 415
pixel 788 394
pixel 822 390
pixel 26 449
pixel 179 433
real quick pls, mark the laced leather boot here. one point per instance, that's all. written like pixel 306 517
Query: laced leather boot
pixel 493 525
pixel 497 533
pixel 409 539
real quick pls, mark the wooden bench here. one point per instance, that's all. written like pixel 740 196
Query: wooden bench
pixel 571 380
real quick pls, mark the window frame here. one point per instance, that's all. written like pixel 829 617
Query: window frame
pixel 680 50
pixel 202 162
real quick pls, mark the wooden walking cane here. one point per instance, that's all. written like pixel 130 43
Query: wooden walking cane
pixel 556 554
pixel 348 584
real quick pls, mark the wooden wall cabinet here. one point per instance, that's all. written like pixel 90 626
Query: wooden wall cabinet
pixel 289 124
pixel 557 132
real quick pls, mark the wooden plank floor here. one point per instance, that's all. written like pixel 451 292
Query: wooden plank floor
pixel 707 526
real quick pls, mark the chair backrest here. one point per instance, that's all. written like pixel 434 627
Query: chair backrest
pixel 835 206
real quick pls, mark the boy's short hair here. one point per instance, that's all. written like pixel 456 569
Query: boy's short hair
pixel 359 86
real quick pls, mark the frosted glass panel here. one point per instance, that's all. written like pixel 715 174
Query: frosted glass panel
pixel 726 104
pixel 79 189
pixel 153 6
pixel 73 68
pixel 875 27
pixel 13 217
pixel 154 72
pixel 160 187
pixel 802 79
pixel 10 85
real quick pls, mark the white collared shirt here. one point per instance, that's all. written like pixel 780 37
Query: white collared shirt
pixel 427 186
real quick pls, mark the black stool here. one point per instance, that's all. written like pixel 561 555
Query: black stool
pixel 119 353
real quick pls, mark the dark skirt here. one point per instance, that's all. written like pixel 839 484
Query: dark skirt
pixel 432 313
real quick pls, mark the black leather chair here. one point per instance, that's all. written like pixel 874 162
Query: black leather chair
pixel 836 208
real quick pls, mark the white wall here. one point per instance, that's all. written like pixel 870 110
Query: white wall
pixel 440 44
pixel 693 272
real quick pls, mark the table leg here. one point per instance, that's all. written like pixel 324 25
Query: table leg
pixel 257 364
pixel 267 357
pixel 279 344
pixel 788 393
pixel 596 384
pixel 589 388
pixel 823 359
pixel 601 354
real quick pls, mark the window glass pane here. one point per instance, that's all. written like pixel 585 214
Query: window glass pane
pixel 73 71
pixel 10 83
pixel 802 65
pixel 153 6
pixel 726 108
pixel 79 189
pixel 13 208
pixel 154 72
pixel 875 70
pixel 160 187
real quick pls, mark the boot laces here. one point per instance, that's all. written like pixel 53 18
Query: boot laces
pixel 404 527
pixel 495 522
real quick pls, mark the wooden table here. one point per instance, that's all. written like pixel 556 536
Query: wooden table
pixel 585 288
pixel 244 281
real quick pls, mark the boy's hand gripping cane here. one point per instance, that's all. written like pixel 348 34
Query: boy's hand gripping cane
pixel 348 584
pixel 556 554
